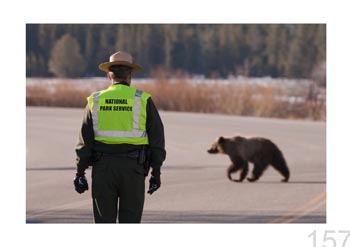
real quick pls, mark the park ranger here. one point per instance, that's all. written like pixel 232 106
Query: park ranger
pixel 121 137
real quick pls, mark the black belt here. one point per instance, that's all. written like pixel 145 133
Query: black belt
pixel 134 154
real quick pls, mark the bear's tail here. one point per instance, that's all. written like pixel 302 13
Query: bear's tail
pixel 280 164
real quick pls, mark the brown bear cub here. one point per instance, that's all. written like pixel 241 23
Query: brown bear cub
pixel 259 151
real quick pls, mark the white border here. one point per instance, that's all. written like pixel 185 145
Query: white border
pixel 17 13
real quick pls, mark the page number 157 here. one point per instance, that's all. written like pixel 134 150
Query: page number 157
pixel 331 238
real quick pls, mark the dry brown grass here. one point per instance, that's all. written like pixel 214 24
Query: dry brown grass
pixel 246 100
pixel 64 94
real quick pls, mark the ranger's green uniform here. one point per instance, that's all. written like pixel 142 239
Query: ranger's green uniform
pixel 113 131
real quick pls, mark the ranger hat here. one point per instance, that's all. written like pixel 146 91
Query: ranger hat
pixel 120 58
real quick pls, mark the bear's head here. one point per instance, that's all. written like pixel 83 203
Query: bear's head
pixel 226 145
pixel 218 146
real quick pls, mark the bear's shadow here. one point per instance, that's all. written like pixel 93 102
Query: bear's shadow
pixel 290 182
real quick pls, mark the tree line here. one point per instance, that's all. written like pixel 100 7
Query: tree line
pixel 213 50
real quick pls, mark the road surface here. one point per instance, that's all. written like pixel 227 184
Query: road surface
pixel 194 184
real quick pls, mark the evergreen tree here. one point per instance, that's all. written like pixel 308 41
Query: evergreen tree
pixel 65 59
pixel 277 50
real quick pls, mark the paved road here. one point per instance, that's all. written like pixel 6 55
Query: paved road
pixel 194 185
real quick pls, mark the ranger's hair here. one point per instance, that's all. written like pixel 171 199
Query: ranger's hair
pixel 120 72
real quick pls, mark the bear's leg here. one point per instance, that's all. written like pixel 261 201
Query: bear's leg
pixel 232 169
pixel 283 169
pixel 280 165
pixel 244 172
pixel 257 172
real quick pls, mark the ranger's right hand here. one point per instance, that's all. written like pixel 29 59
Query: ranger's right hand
pixel 80 183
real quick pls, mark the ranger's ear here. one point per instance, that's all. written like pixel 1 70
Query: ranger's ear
pixel 221 140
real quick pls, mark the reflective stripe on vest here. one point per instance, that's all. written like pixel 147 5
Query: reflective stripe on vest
pixel 136 135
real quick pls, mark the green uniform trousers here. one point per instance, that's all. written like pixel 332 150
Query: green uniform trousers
pixel 118 190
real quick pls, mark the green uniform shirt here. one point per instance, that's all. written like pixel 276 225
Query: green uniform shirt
pixel 87 145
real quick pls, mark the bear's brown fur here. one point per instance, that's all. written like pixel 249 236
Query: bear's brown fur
pixel 257 150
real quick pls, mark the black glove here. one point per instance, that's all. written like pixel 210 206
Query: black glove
pixel 154 184
pixel 154 181
pixel 80 183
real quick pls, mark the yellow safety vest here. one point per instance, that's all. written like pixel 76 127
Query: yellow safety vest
pixel 119 115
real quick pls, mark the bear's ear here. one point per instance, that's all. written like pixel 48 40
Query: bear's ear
pixel 221 140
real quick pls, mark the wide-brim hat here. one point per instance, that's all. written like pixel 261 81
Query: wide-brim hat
pixel 120 58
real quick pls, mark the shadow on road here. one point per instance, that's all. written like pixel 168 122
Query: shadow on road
pixel 307 182
pixel 291 182
pixel 215 217
pixel 170 217
pixel 60 216
pixel 51 168
pixel 167 167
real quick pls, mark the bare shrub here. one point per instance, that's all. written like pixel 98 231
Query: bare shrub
pixel 180 95
pixel 63 94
